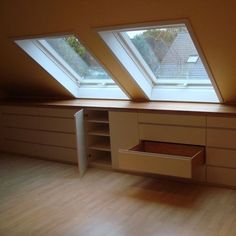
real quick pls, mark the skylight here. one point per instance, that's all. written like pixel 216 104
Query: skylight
pixel 164 61
pixel 71 64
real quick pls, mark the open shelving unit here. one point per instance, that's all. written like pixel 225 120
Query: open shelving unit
pixel 98 138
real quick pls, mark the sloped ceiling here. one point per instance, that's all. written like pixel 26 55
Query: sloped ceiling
pixel 214 23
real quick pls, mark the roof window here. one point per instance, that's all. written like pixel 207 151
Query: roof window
pixel 164 60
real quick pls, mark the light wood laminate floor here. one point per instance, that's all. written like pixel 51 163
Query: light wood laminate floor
pixel 44 198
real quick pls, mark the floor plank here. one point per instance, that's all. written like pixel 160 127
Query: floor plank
pixel 39 197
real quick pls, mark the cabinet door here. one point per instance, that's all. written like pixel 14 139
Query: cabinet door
pixel 123 132
pixel 81 146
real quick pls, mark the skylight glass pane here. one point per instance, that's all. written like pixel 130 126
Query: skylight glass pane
pixel 78 58
pixel 170 54
pixel 70 63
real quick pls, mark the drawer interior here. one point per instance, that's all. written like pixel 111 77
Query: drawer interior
pixel 185 151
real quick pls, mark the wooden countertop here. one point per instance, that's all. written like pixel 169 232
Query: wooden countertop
pixel 129 106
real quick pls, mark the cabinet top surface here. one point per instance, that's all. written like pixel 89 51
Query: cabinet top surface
pixel 203 108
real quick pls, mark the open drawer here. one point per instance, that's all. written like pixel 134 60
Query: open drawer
pixel 162 158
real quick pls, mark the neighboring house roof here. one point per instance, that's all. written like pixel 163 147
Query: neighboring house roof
pixel 174 64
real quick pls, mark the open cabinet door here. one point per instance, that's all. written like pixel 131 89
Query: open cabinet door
pixel 81 146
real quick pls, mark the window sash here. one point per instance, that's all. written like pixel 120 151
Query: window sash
pixel 57 59
pixel 139 61
pixel 66 68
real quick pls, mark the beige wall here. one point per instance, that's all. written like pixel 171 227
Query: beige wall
pixel 214 23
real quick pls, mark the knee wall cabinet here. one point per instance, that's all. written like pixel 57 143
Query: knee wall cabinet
pixel 43 132
pixel 215 134
pixel 189 145
pixel 221 150
pixel 159 143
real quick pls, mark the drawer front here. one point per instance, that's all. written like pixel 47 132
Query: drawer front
pixel 221 157
pixel 221 122
pixel 39 111
pixel 42 151
pixel 173 134
pixel 172 119
pixel 41 137
pixel 58 124
pixel 158 163
pixel 220 175
pixel 221 138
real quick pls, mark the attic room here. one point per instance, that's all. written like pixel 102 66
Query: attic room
pixel 118 117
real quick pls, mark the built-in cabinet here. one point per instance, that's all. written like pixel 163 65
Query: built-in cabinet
pixel 221 150
pixel 215 134
pixel 197 146
pixel 42 132
pixel 156 143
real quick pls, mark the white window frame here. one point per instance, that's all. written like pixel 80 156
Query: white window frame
pixel 44 46
pixel 136 57
pixel 58 68
pixel 119 43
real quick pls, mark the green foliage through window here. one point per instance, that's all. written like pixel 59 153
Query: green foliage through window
pixel 75 54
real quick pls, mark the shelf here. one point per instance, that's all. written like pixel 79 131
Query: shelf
pixel 103 161
pixel 100 132
pixel 103 120
pixel 101 147
pixel 98 139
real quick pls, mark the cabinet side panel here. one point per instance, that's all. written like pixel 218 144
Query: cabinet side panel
pixel 123 131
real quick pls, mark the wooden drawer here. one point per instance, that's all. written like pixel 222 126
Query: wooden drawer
pixel 39 111
pixel 221 157
pixel 221 175
pixel 58 124
pixel 162 158
pixel 42 151
pixel 58 139
pixel 172 134
pixel 172 119
pixel 221 138
pixel 221 122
